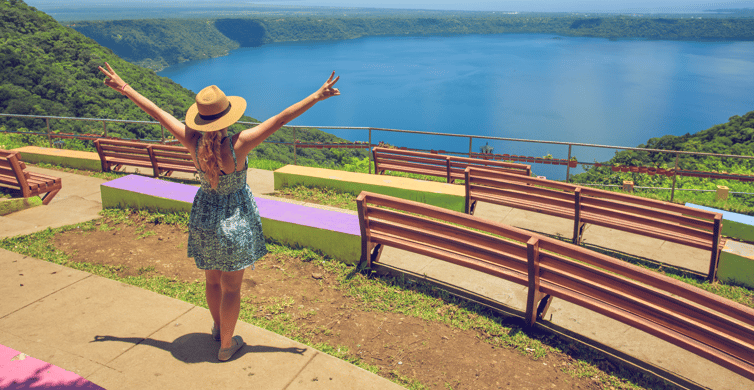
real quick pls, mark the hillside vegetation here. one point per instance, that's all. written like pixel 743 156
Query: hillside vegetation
pixel 736 137
pixel 50 69
pixel 157 43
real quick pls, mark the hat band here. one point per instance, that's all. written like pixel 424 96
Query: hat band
pixel 215 116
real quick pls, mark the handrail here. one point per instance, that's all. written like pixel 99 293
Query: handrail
pixel 370 130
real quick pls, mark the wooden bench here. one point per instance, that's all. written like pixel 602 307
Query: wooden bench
pixel 449 167
pixel 651 218
pixel 161 159
pixel 691 318
pixel 166 159
pixel 114 154
pixel 13 174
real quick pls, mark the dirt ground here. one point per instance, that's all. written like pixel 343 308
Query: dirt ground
pixel 435 354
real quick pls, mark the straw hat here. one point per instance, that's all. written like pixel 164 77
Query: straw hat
pixel 214 111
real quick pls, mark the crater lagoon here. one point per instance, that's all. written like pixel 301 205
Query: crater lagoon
pixel 533 86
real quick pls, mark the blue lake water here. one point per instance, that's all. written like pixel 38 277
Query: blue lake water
pixel 537 86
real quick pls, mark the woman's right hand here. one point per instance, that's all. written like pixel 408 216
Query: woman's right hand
pixel 112 80
pixel 326 90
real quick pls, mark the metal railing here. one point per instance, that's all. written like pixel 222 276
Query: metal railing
pixel 370 130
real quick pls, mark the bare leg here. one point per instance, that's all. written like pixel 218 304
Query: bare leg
pixel 214 294
pixel 230 305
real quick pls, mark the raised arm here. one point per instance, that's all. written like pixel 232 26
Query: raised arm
pixel 179 130
pixel 249 139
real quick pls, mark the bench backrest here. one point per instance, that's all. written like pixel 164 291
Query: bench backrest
pixel 429 163
pixel 173 155
pixel 12 170
pixel 710 326
pixel 129 150
pixel 450 167
pixel 525 192
pixel 688 226
pixel 458 166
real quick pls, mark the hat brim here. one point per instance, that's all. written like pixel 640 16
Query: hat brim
pixel 195 122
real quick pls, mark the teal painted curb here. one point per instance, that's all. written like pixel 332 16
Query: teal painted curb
pixel 450 202
pixel 343 247
pixel 68 162
pixel 117 198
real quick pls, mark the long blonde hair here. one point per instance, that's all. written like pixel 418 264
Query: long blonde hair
pixel 210 157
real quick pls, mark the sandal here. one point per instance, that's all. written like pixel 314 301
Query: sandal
pixel 226 353
pixel 215 332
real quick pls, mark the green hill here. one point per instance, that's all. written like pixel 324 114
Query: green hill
pixel 736 137
pixel 50 69
pixel 157 43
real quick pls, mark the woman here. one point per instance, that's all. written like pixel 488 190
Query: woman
pixel 225 231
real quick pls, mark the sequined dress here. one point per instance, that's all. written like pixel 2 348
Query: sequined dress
pixel 225 230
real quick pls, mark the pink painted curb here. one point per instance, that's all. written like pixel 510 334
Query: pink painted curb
pixel 19 371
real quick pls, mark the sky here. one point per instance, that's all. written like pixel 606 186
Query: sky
pixel 639 6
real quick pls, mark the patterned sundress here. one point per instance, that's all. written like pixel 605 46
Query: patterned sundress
pixel 225 230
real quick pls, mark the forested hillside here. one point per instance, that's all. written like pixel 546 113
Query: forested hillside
pixel 157 43
pixel 736 137
pixel 50 69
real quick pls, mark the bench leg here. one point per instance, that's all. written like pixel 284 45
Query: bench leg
pixel 375 254
pixel 578 234
pixel 544 304
pixel 472 208
pixel 48 197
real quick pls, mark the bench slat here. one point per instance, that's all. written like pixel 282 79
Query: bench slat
pixel 478 240
pixel 117 150
pixel 597 213
pixel 649 202
pixel 503 188
pixel 640 291
pixel 642 210
pixel 481 266
pixel 736 365
pixel 645 231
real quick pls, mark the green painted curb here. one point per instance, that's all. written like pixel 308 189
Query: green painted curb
pixel 738 230
pixel 68 162
pixel 340 246
pixel 451 202
pixel 118 198
pixel 13 205
pixel 735 269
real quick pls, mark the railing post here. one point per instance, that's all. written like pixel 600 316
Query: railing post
pixel 470 140
pixel 675 173
pixel 162 133
pixel 568 167
pixel 295 141
pixel 104 128
pixel 369 151
pixel 49 136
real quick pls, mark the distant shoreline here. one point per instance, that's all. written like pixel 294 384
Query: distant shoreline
pixel 159 43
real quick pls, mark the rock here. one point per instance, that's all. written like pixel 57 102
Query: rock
pixel 317 275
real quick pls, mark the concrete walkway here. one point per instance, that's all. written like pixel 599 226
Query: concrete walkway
pixel 119 336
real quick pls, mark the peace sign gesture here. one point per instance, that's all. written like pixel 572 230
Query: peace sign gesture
pixel 326 90
pixel 113 80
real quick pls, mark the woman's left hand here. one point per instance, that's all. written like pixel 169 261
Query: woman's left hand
pixel 112 80
pixel 326 90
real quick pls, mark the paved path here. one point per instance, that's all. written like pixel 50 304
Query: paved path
pixel 56 314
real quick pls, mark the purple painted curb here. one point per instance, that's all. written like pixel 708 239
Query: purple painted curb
pixel 268 208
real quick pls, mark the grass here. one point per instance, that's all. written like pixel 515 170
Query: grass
pixel 378 294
